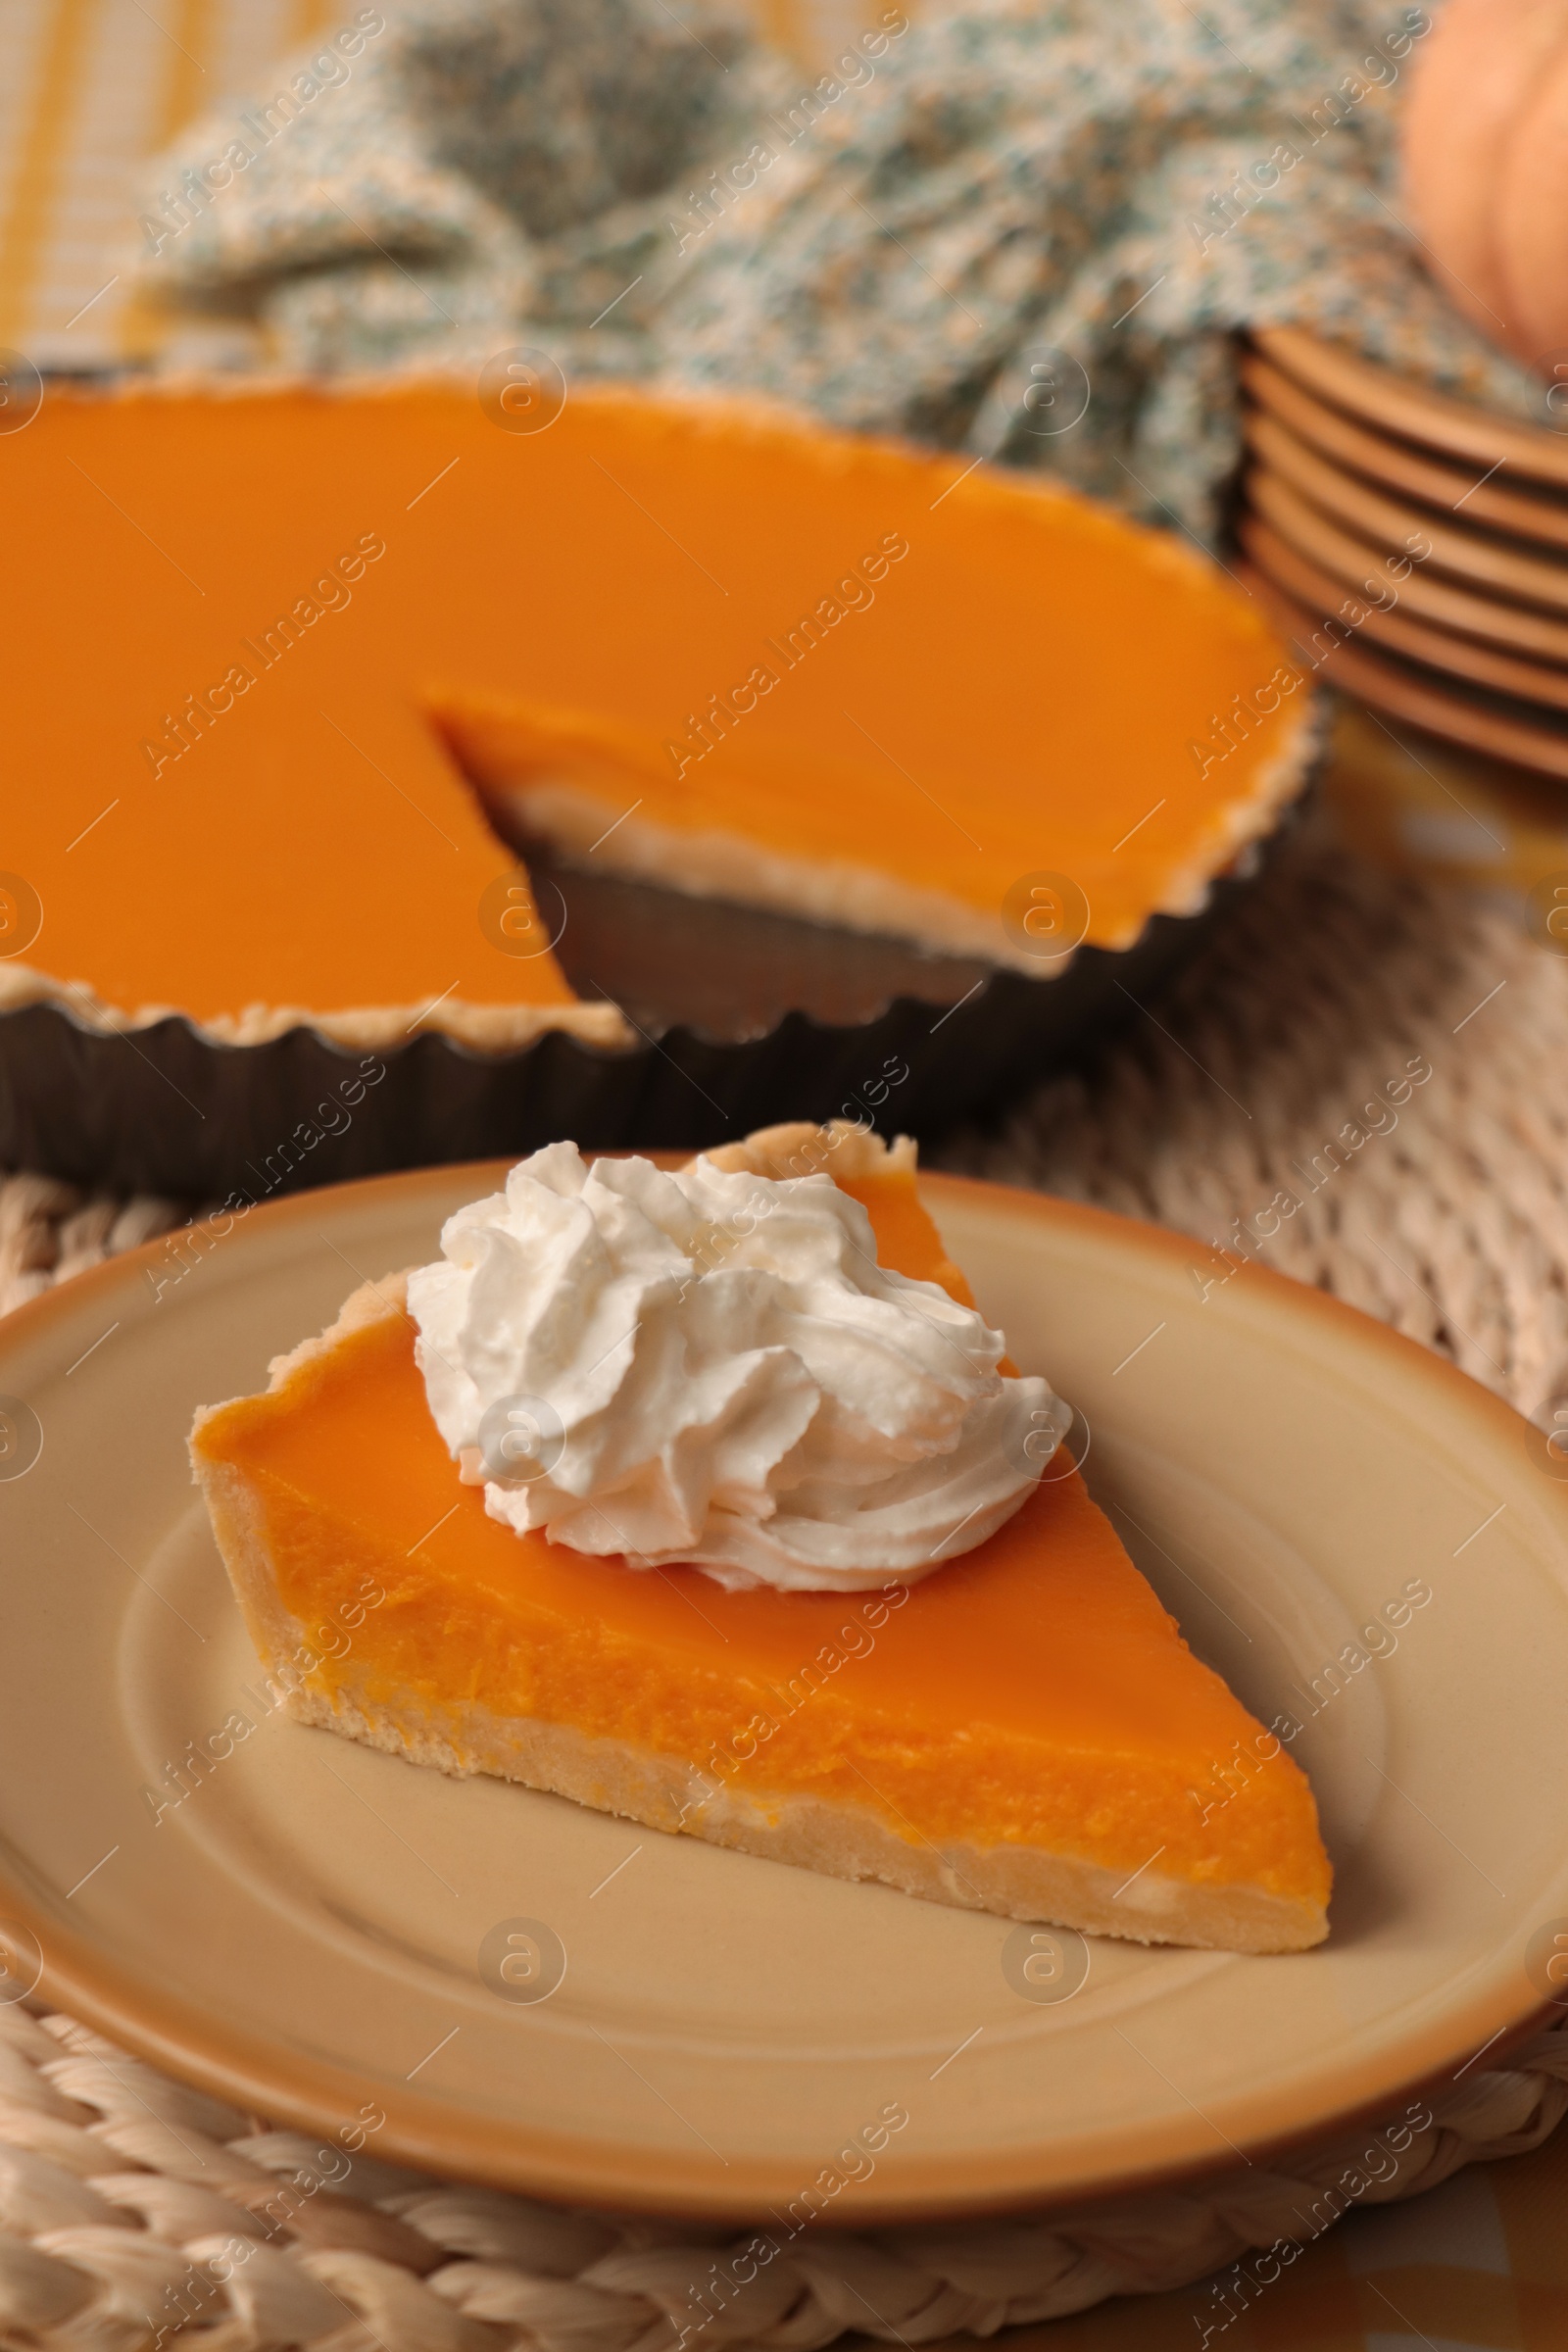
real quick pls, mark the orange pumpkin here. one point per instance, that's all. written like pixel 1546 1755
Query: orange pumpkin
pixel 1486 166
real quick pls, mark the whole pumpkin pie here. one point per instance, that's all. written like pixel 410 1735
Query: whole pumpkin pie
pixel 265 635
pixel 1022 1729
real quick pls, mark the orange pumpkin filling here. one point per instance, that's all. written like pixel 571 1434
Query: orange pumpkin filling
pixel 1031 1697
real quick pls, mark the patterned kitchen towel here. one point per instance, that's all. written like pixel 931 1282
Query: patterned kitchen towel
pixel 1025 227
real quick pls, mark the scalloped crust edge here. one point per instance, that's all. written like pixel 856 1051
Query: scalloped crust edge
pixel 662 1793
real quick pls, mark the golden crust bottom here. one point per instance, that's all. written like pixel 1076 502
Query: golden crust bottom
pixel 665 1792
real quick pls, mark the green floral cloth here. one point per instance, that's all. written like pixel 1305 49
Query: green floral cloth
pixel 1026 228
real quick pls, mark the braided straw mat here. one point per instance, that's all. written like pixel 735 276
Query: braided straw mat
pixel 119 2190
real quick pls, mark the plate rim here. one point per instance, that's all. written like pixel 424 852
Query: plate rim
pixel 443 2138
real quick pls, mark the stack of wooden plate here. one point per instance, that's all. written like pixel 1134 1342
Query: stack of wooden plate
pixel 1414 549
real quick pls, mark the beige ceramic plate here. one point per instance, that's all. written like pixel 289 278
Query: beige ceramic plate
pixel 1396 406
pixel 302 1934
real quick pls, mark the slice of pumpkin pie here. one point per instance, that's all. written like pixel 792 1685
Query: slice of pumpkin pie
pixel 741 1526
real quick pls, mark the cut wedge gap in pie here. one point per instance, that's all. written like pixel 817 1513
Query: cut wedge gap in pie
pixel 1023 1732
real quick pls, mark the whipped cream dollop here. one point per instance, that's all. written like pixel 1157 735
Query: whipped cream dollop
pixel 711 1367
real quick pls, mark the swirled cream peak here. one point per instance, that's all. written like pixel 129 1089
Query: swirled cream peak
pixel 713 1367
